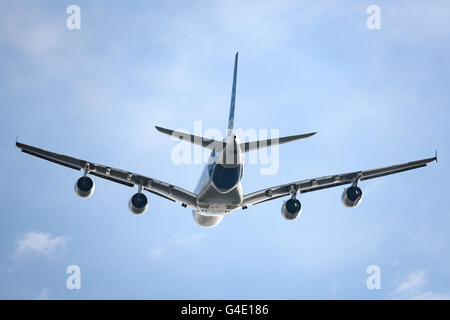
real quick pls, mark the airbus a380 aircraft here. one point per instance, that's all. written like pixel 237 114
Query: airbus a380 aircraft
pixel 219 190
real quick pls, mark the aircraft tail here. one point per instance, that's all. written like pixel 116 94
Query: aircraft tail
pixel 249 146
pixel 230 128
pixel 246 146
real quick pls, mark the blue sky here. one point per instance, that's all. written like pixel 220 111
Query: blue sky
pixel 376 98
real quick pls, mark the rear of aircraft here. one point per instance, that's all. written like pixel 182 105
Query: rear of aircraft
pixel 227 169
pixel 225 176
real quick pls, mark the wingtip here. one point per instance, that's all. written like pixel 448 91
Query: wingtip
pixel 164 130
pixel 435 156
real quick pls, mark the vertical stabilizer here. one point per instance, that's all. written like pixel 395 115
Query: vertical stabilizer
pixel 233 98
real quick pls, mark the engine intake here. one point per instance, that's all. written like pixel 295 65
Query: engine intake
pixel 84 187
pixel 351 196
pixel 291 209
pixel 138 203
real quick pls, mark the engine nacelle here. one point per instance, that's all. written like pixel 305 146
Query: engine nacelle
pixel 291 209
pixel 138 203
pixel 351 196
pixel 84 187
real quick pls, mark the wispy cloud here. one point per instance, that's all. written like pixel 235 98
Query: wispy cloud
pixel 413 282
pixel 40 243
pixel 157 252
pixel 191 239
pixel 415 287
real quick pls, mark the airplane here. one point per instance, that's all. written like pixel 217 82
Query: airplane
pixel 219 189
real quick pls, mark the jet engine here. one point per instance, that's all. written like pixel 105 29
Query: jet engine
pixel 138 203
pixel 291 209
pixel 351 196
pixel 84 187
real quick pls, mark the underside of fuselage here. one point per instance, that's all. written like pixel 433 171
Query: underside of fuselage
pixel 213 205
pixel 207 221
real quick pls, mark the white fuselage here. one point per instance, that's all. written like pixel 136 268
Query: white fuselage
pixel 219 189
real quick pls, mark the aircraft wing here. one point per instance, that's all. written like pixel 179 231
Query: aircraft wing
pixel 329 181
pixel 160 188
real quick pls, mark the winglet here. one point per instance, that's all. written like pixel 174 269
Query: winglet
pixel 435 156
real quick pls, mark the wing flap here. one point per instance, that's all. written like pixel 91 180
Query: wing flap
pixel 100 175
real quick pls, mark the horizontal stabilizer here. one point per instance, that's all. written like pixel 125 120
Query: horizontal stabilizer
pixel 199 141
pixel 254 145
